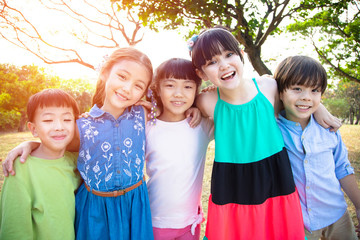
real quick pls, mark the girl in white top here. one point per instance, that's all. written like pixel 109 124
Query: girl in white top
pixel 175 153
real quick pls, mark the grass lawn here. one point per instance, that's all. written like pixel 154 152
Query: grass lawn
pixel 350 135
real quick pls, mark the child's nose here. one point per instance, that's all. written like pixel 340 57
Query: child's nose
pixel 224 64
pixel 305 95
pixel 178 91
pixel 59 125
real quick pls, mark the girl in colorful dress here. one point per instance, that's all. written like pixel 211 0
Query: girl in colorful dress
pixel 175 153
pixel 253 195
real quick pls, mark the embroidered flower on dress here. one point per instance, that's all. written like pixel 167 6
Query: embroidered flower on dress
pixel 128 142
pixel 105 147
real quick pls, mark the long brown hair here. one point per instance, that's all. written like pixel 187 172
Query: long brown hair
pixel 127 53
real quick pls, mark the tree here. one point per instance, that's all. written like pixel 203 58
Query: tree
pixel 97 25
pixel 344 101
pixel 251 22
pixel 81 91
pixel 335 34
pixel 17 84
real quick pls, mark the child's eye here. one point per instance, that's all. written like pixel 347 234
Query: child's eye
pixel 68 120
pixel 229 54
pixel 188 87
pixel 139 86
pixel 210 62
pixel 297 89
pixel 169 85
pixel 47 120
pixel 316 90
pixel 122 77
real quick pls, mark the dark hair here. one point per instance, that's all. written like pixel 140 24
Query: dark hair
pixel 126 53
pixel 210 42
pixel 300 70
pixel 177 68
pixel 50 98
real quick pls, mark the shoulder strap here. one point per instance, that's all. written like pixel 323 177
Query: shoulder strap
pixel 218 93
pixel 257 87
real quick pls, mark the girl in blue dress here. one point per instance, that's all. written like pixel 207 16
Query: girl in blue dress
pixel 113 203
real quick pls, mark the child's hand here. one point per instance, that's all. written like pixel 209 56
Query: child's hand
pixel 84 115
pixel 23 150
pixel 148 106
pixel 209 88
pixel 326 120
pixel 195 115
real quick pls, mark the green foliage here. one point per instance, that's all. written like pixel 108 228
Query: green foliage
pixel 335 32
pixel 17 84
pixel 81 90
pixel 344 102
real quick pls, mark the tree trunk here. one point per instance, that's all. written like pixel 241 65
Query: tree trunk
pixel 22 122
pixel 351 116
pixel 254 55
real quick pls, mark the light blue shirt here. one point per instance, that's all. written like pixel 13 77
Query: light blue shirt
pixel 318 159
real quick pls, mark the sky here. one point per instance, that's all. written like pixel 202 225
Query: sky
pixel 158 46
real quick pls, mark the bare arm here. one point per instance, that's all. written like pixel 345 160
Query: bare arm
pixel 326 120
pixel 206 102
pixel 23 150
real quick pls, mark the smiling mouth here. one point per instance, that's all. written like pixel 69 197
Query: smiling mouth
pixel 121 96
pixel 303 107
pixel 61 137
pixel 228 76
pixel 177 103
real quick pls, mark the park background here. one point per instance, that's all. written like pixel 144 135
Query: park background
pixel 62 43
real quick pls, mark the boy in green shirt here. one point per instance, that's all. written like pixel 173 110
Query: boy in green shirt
pixel 39 201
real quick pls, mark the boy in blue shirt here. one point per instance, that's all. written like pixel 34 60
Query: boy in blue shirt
pixel 318 156
pixel 39 201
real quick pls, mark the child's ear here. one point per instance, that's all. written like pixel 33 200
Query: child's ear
pixel 32 129
pixel 201 74
pixel 281 96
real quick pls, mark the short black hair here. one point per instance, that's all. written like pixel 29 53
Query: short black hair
pixel 49 98
pixel 300 70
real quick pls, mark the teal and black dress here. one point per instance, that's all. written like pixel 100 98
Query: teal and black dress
pixel 253 193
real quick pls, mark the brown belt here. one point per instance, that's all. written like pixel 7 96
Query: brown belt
pixel 117 192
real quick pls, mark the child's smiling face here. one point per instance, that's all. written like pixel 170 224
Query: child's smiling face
pixel 300 102
pixel 224 70
pixel 177 96
pixel 55 126
pixel 125 85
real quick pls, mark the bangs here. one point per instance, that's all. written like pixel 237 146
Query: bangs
pixel 178 69
pixel 302 71
pixel 51 98
pixel 212 43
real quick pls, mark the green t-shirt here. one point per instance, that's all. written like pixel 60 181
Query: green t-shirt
pixel 39 201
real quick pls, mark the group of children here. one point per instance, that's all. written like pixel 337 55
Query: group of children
pixel 276 174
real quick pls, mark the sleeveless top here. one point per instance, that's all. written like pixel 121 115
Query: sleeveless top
pixel 248 143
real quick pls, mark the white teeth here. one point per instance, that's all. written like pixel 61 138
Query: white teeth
pixel 227 75
pixel 303 107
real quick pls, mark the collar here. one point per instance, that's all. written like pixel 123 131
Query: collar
pixel 97 112
pixel 292 124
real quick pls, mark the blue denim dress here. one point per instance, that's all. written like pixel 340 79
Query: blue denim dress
pixel 111 157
